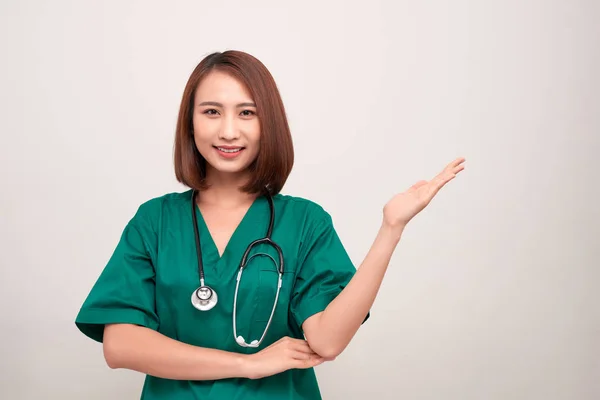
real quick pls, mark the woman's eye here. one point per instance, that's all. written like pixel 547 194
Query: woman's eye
pixel 245 113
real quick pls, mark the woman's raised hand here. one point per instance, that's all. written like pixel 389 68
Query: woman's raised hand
pixel 404 206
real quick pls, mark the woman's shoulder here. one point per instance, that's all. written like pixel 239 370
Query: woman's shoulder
pixel 169 199
pixel 310 208
pixel 152 209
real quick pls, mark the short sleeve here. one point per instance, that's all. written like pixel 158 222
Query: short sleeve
pixel 324 271
pixel 125 290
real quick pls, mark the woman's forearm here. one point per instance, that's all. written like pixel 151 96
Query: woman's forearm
pixel 144 350
pixel 334 328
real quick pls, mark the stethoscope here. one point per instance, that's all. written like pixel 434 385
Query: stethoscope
pixel 205 298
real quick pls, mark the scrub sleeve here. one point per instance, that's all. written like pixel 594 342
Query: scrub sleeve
pixel 324 272
pixel 124 291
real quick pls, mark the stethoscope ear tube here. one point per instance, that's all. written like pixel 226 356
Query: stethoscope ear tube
pixel 257 242
pixel 197 239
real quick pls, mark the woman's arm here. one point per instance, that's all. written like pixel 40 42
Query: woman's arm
pixel 329 332
pixel 145 350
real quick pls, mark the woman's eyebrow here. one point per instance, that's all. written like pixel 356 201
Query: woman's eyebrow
pixel 216 104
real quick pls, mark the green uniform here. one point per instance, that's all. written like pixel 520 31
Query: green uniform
pixel 150 278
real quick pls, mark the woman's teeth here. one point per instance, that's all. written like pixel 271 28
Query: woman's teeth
pixel 229 150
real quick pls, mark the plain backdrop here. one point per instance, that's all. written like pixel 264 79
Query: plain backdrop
pixel 492 292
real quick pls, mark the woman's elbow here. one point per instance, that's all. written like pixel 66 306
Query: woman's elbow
pixel 112 350
pixel 329 351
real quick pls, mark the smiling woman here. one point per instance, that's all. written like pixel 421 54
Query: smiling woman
pixel 231 102
pixel 301 299
pixel 226 131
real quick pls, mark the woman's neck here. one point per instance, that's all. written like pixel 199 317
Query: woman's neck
pixel 224 191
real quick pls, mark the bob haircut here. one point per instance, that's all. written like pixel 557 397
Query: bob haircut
pixel 275 158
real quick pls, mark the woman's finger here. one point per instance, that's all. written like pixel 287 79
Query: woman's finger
pixel 455 163
pixel 302 355
pixel 417 185
pixel 302 346
pixel 438 183
pixel 312 361
pixel 453 168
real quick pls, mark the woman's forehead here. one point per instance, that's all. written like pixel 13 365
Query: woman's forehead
pixel 223 88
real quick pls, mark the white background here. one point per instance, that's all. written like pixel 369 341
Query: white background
pixel 493 290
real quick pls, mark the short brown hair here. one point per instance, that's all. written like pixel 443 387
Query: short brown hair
pixel 275 158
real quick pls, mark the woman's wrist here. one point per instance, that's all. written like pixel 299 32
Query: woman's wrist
pixel 244 366
pixel 391 232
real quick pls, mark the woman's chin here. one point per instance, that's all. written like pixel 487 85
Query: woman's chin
pixel 228 170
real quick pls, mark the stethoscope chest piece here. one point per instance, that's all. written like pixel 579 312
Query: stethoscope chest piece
pixel 204 298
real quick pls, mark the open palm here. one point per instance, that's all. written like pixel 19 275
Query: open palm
pixel 404 206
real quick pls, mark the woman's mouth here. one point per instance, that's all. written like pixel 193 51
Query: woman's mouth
pixel 228 151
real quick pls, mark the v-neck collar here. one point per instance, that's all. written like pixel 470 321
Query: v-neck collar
pixel 252 226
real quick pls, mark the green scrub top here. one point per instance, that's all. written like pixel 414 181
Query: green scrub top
pixel 150 278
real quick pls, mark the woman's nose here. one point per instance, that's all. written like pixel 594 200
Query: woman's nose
pixel 229 130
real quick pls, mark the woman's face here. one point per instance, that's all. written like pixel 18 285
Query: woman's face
pixel 226 127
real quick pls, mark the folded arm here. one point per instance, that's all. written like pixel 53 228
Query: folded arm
pixel 145 350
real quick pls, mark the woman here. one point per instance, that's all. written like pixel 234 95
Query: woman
pixel 299 299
